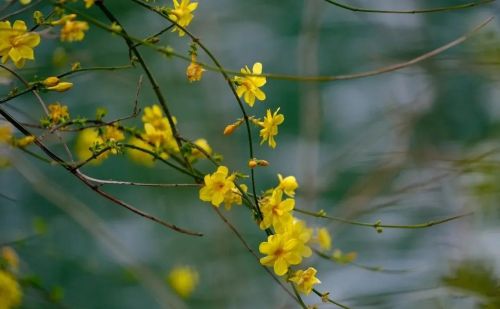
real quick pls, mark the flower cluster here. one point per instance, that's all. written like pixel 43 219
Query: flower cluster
pixel 248 86
pixel 158 132
pixel 95 144
pixel 291 240
pixel 58 113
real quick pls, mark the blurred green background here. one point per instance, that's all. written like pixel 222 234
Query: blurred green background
pixel 398 147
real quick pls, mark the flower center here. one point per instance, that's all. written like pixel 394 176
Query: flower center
pixel 219 186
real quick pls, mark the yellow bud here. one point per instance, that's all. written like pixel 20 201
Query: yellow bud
pixel 38 17
pixel 262 163
pixel 51 81
pixel 252 163
pixel 25 141
pixel 230 129
pixel 63 20
pixel 61 87
pixel 116 28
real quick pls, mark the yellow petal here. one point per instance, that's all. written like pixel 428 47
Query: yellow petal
pixel 14 54
pixel 259 81
pixel 293 258
pixel 20 25
pixel 26 52
pixel 257 68
pixel 260 94
pixel 240 90
pixel 30 39
pixel 249 98
pixel 223 170
pixel 280 267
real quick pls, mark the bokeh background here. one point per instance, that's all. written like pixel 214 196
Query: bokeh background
pixel 404 147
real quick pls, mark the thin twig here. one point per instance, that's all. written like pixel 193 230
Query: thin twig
pixel 417 11
pixel 141 184
pixel 378 224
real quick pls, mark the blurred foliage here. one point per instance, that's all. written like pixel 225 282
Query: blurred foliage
pixel 478 279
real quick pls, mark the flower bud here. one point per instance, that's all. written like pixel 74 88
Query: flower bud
pixel 252 163
pixel 51 81
pixel 61 87
pixel 25 141
pixel 230 129
pixel 63 20
pixel 262 163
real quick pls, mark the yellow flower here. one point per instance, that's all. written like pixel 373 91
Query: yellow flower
pixel 89 3
pixel 153 135
pixel 183 280
pixel 17 43
pixel 203 144
pixel 182 14
pixel 5 134
pixel 194 71
pixel 138 156
pixel 158 131
pixel 298 229
pixel 270 127
pixel 61 87
pixel 9 255
pixel 153 115
pixel 234 197
pixel 10 291
pixel 58 113
pixel 113 134
pixel 216 186
pixel 86 140
pixel 324 239
pixel 305 280
pixel 288 185
pixel 74 30
pixel 25 2
pixel 281 251
pixel 249 86
pixel 275 211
